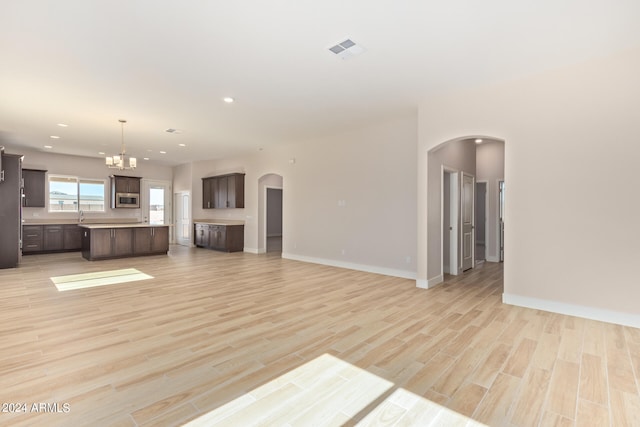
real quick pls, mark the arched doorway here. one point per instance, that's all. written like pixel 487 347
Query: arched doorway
pixel 481 158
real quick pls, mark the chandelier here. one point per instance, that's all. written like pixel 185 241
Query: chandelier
pixel 118 161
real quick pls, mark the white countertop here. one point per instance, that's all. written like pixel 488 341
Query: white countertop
pixel 71 221
pixel 135 225
pixel 219 221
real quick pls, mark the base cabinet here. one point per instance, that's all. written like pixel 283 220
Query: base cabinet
pixel 219 237
pixel 108 243
pixel 31 239
pixel 122 242
pixel 51 238
pixel 152 240
pixel 72 238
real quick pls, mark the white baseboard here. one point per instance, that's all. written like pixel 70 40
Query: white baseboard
pixel 253 250
pixel 626 319
pixel 422 284
pixel 352 266
pixel 492 258
pixel 429 283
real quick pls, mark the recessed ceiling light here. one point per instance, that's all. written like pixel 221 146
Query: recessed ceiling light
pixel 62 125
pixel 146 158
pixel 228 99
pixel 478 141
pixel 163 152
pixel 48 146
pixel 101 153
pixel 148 151
pixel 182 145
pixel 54 137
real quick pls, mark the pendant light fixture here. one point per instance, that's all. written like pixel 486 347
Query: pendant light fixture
pixel 118 161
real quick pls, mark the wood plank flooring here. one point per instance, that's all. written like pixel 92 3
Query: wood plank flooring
pixel 211 327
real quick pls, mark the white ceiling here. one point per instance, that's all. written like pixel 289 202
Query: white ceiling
pixel 167 64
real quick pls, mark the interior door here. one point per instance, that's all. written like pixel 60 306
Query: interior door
pixel 467 208
pixel 183 218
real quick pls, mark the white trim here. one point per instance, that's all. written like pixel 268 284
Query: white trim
pixel 435 281
pixel 253 250
pixel 593 313
pixel 352 266
pixel 492 258
pixel 422 284
pixel 454 212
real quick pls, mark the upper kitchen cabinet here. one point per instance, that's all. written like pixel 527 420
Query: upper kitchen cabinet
pixel 34 188
pixel 125 184
pixel 125 192
pixel 223 191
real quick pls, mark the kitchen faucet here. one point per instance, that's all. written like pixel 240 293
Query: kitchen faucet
pixel 81 216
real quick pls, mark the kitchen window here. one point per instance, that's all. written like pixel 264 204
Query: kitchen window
pixel 73 194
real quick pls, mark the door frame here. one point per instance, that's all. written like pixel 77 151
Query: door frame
pixel 144 202
pixel 454 219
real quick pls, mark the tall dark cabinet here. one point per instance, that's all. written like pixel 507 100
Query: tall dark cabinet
pixel 10 209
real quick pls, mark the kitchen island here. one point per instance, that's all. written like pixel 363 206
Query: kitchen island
pixel 108 241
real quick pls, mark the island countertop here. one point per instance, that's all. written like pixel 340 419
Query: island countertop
pixel 130 225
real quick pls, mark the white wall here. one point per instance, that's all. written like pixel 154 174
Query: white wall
pixel 354 191
pixel 571 156
pixel 490 168
pixel 85 167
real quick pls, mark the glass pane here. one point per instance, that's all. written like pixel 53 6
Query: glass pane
pixel 63 194
pixel 156 206
pixel 91 195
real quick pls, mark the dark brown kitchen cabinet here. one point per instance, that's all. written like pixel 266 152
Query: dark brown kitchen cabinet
pixel 219 237
pixel 150 240
pixel 72 237
pixel 31 238
pixel 123 242
pixel 53 238
pixel 125 184
pixel 202 235
pixel 10 210
pixel 34 185
pixel 109 242
pixel 208 195
pixel 223 191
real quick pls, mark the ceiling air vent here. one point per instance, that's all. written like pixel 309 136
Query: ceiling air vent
pixel 346 49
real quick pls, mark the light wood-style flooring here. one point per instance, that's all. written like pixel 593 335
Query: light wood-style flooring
pixel 212 327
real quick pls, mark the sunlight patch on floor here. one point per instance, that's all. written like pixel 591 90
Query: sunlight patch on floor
pixel 330 392
pixel 99 278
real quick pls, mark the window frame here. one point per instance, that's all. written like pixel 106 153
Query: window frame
pixel 78 180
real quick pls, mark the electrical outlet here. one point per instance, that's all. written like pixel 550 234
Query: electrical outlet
pixel 344 252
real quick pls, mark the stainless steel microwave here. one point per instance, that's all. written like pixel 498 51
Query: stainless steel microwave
pixel 127 200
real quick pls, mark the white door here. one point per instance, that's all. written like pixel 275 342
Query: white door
pixel 156 202
pixel 467 201
pixel 182 202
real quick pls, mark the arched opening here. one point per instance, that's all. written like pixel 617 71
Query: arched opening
pixel 270 212
pixel 454 168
